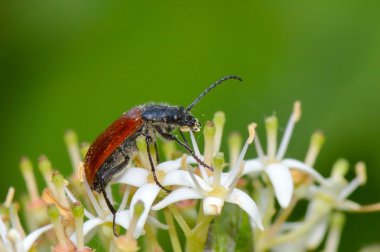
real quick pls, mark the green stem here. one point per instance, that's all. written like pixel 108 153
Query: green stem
pixel 283 216
pixel 172 232
pixel 196 239
pixel 179 218
pixel 258 236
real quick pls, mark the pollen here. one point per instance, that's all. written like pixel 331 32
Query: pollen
pixel 160 177
pixel 219 191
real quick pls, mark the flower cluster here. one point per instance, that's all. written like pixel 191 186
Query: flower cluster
pixel 66 215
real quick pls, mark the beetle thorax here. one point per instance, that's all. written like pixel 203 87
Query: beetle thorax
pixel 168 118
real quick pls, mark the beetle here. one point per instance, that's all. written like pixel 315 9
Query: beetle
pixel 111 151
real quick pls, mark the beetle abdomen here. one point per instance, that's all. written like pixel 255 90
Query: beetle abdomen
pixel 109 141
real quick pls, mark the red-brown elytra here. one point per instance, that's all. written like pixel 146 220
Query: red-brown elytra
pixel 114 147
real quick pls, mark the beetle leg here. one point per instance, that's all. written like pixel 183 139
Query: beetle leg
pixel 168 136
pixel 110 206
pixel 157 155
pixel 184 138
pixel 153 168
pixel 102 182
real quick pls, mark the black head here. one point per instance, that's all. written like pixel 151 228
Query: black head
pixel 186 121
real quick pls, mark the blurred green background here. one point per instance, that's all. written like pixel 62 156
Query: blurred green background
pixel 80 64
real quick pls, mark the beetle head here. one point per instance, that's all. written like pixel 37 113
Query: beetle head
pixel 187 121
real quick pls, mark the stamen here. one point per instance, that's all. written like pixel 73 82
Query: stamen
pixel 361 172
pixel 197 153
pixel 195 145
pixel 10 196
pixel 370 208
pixel 251 131
pixel 125 198
pixel 71 140
pixel 94 202
pixel 361 178
pixel 60 183
pixel 73 200
pixel 316 142
pixel 209 133
pixel 84 149
pixel 45 167
pixel 297 111
pixel 236 169
pixel 15 220
pixel 218 168
pixel 219 121
pixel 294 117
pixel 27 171
pixel 53 213
pixel 349 188
pixel 195 181
pixel 234 146
pixel 271 124
pixel 339 170
pixel 78 213
pixel 236 179
pixel 259 148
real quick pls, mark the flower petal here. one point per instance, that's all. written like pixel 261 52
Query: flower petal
pixel 282 183
pixel 171 165
pixel 134 177
pixel 246 203
pixel 198 154
pixel 168 166
pixel 87 227
pixel 252 166
pixel 3 230
pixel 146 194
pixel 180 194
pixel 123 218
pixel 212 205
pixel 298 165
pixel 28 241
pixel 183 178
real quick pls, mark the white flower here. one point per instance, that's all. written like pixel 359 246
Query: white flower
pixel 103 215
pixel 333 196
pixel 274 165
pixel 323 200
pixel 214 189
pixel 13 237
pixel 147 188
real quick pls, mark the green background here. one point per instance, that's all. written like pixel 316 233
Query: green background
pixel 80 64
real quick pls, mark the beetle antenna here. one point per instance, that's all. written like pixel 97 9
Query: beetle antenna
pixel 211 87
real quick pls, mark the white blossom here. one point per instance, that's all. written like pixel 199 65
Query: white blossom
pixel 273 163
pixel 214 190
